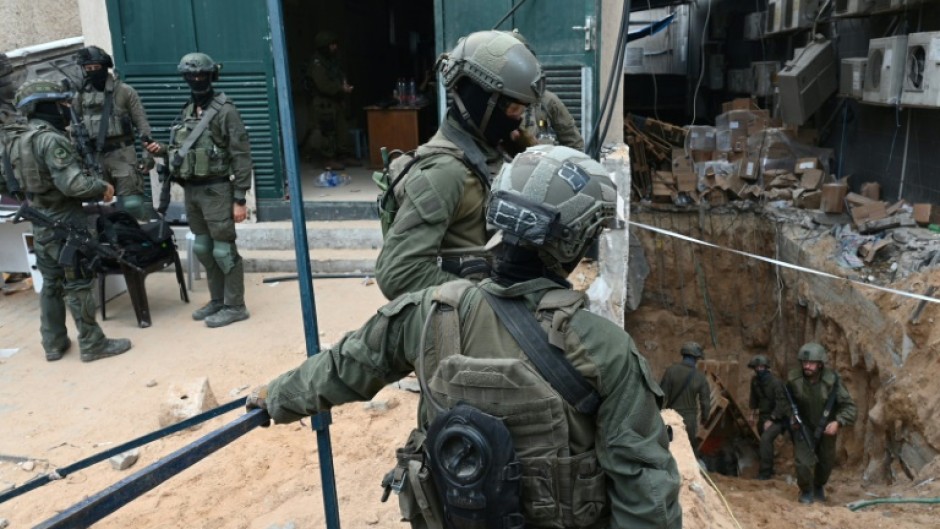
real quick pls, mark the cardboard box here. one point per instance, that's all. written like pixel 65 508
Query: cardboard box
pixel 742 103
pixel 785 180
pixel 812 179
pixel 664 177
pixel 868 212
pixel 661 190
pixel 686 182
pixel 750 170
pixel 854 199
pixel 832 197
pixel 926 214
pixel 807 199
pixel 805 163
pixel 871 190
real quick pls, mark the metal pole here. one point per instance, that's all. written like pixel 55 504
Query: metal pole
pixel 321 421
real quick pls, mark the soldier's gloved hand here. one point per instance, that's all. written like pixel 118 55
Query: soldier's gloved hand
pixel 256 400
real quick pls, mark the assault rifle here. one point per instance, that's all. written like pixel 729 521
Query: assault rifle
pixel 81 139
pixel 796 423
pixel 81 250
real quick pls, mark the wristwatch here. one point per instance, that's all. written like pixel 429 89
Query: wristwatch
pixel 240 201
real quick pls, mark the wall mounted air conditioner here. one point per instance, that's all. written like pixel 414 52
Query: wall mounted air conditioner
pixel 852 77
pixel 763 74
pixel 921 85
pixel 774 17
pixel 852 8
pixel 799 14
pixel 885 70
pixel 807 81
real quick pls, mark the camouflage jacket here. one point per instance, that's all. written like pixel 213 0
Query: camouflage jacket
pixel 694 395
pixel 810 397
pixel 127 112
pixel 769 399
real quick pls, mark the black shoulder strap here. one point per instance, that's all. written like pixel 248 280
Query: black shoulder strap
pixel 827 410
pixel 548 359
pixel 684 385
pixel 105 118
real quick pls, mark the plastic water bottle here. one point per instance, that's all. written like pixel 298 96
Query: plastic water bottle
pixel 331 178
pixel 410 93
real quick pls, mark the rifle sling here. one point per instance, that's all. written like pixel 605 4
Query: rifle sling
pixel 201 126
pixel 549 360
pixel 105 118
pixel 827 410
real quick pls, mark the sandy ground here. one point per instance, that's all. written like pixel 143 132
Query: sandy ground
pixel 58 413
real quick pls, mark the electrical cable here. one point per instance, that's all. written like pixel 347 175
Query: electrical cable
pixel 649 7
pixel 509 14
pixel 720 495
pixel 861 504
pixel 701 75
pixel 593 145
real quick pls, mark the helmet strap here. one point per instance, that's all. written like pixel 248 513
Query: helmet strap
pixel 465 114
pixel 490 106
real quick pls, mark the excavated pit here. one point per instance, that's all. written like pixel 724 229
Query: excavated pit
pixel 738 306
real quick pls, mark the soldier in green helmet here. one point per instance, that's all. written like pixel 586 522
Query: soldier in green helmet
pixel 111 111
pixel 825 406
pixel 439 231
pixel 327 135
pixel 769 409
pixel 45 169
pixel 687 390
pixel 605 465
pixel 210 157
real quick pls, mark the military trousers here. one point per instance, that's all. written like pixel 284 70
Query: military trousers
pixel 210 216
pixel 767 438
pixel 814 467
pixel 120 170
pixel 63 288
pixel 328 135
pixel 690 418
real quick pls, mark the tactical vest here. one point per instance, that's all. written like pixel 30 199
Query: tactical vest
pixel 92 108
pixel 206 158
pixel 559 490
pixel 18 146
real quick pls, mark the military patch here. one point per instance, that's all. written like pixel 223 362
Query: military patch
pixel 60 154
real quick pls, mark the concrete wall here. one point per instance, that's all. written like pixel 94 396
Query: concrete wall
pixel 610 17
pixel 94 18
pixel 30 22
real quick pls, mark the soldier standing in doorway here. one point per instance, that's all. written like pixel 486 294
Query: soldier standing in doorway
pixel 208 146
pixel 111 111
pixel 328 132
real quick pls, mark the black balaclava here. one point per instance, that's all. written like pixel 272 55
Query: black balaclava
pixel 514 264
pixel 51 112
pixel 97 78
pixel 201 90
pixel 763 375
pixel 475 100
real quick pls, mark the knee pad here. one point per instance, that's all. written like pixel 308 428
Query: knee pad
pixel 224 254
pixel 203 247
pixel 134 204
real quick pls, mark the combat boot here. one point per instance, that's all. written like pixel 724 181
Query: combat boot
pixel 111 347
pixel 806 496
pixel 207 310
pixel 56 354
pixel 228 314
pixel 819 494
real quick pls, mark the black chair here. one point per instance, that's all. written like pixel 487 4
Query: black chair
pixel 135 278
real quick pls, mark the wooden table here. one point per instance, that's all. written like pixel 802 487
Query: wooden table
pixel 392 128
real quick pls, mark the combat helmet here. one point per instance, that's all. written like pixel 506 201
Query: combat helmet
pixel 758 360
pixel 498 62
pixel 324 39
pixel 198 62
pixel 692 349
pixel 552 199
pixel 813 352
pixel 39 90
pixel 94 55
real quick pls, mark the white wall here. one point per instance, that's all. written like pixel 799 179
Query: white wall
pixel 26 23
pixel 94 23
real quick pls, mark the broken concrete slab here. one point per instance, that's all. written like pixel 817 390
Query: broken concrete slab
pixel 125 460
pixel 185 400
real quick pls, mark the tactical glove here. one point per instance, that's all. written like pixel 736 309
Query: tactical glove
pixel 256 401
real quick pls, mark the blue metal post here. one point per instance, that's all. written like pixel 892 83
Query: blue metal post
pixel 321 421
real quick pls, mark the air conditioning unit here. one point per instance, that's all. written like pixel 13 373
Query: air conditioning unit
pixel 807 81
pixel 922 70
pixel 852 77
pixel 763 73
pixel 887 6
pixel 852 8
pixel 885 70
pixel 774 17
pixel 754 25
pixel 799 14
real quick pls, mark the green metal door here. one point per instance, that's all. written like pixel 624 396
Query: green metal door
pixel 562 33
pixel 150 37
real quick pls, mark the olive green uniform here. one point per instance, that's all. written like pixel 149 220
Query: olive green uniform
pixel 550 114
pixel 47 169
pixel 116 154
pixel 441 221
pixel 687 399
pixel 637 480
pixel 222 150
pixel 810 397
pixel 770 401
pixel 329 132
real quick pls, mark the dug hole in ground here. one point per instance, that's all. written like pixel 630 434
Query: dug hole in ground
pixel 53 414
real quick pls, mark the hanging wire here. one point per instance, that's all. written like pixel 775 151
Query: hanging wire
pixel 701 75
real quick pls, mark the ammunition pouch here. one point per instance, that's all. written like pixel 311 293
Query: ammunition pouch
pixel 411 480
